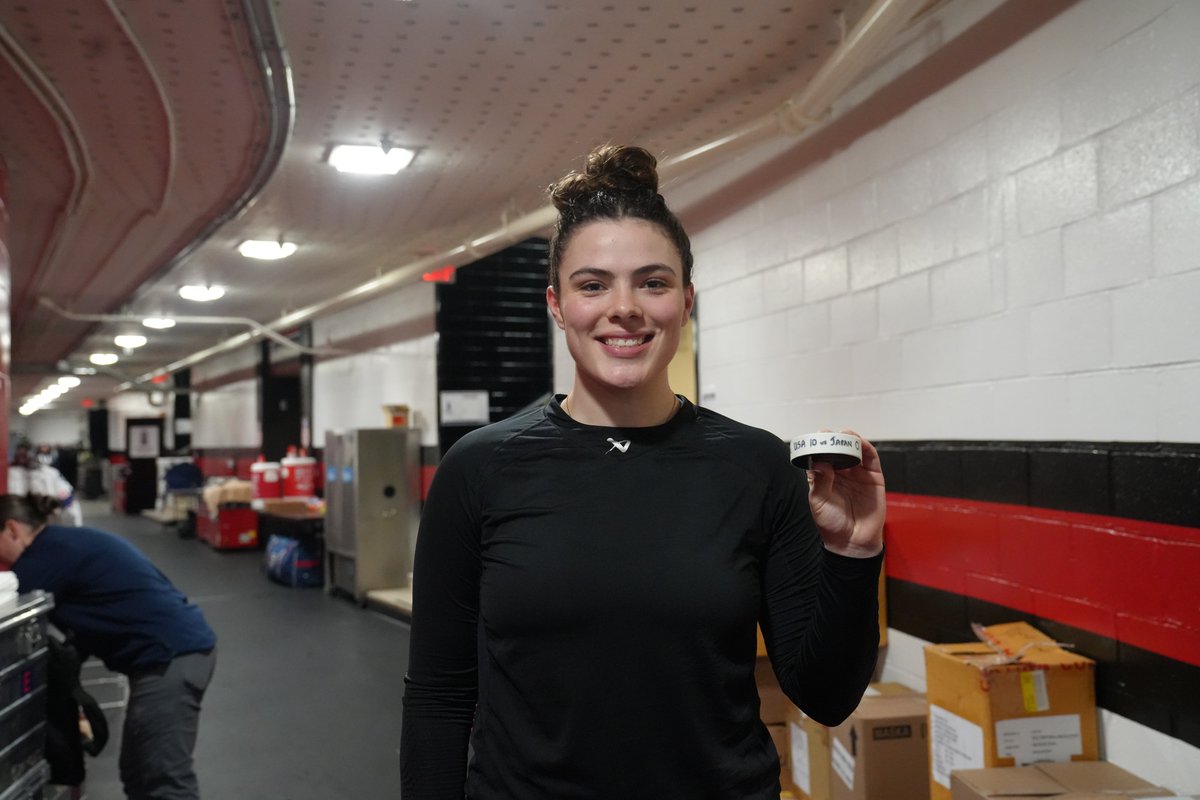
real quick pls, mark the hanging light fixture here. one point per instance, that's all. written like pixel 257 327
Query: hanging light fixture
pixel 200 293
pixel 265 250
pixel 370 159
pixel 129 340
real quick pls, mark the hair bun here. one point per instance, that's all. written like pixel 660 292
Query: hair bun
pixel 610 169
pixel 44 504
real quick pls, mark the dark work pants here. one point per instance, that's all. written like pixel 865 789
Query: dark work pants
pixel 161 721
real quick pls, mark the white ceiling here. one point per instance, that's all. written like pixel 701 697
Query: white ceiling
pixel 143 141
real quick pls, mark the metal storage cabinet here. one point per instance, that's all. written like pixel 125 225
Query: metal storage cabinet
pixel 23 656
pixel 373 496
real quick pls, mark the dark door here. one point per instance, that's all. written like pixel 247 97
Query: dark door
pixel 143 446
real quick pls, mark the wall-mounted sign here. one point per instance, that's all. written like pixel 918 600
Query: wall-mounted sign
pixel 144 441
pixel 465 407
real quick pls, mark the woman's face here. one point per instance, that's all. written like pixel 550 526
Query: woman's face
pixel 621 302
pixel 14 538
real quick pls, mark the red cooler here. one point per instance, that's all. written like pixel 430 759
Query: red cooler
pixel 265 475
pixel 299 476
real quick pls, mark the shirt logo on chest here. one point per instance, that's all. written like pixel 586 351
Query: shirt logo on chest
pixel 623 445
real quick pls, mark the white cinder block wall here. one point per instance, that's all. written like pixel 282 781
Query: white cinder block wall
pixel 1016 257
pixel 227 416
pixel 350 391
pixel 389 357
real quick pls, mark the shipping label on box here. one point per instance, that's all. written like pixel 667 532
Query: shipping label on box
pixel 798 743
pixel 955 743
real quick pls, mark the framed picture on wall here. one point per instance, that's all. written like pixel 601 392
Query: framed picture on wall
pixel 144 441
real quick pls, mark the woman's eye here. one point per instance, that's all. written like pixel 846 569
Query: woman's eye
pixel 656 283
pixel 591 286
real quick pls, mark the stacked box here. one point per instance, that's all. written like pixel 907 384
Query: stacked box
pixel 808 761
pixel 1079 780
pixel 1014 699
pixel 810 771
pixel 881 752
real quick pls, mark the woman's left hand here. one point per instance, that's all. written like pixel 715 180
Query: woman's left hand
pixel 849 505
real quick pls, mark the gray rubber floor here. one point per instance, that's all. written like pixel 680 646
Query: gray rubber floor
pixel 305 703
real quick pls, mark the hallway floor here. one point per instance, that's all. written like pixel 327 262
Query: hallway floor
pixel 305 703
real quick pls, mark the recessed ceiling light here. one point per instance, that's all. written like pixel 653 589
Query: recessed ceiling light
pixel 266 250
pixel 129 340
pixel 201 294
pixel 69 381
pixel 103 359
pixel 158 323
pixel 369 159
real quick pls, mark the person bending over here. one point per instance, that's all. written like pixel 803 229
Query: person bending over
pixel 117 606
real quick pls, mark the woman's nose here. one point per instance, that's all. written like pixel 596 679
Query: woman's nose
pixel 625 304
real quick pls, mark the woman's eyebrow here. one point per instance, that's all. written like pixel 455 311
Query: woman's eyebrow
pixel 597 272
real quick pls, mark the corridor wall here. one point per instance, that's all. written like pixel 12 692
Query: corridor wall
pixel 1013 261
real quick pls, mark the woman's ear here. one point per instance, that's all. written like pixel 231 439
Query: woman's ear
pixel 552 304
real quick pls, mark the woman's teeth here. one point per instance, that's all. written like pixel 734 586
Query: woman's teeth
pixel 611 342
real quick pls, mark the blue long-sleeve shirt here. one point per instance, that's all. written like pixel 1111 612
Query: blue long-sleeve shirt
pixel 117 604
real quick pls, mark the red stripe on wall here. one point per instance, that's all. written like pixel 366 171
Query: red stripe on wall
pixel 1137 582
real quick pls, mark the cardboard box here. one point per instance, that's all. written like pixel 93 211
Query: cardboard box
pixel 1012 700
pixel 882 751
pixel 285 507
pixel 779 737
pixel 883 625
pixel 1069 781
pixel 774 705
pixel 809 767
pixel 808 759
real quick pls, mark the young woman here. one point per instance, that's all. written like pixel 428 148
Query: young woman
pixel 117 606
pixel 589 575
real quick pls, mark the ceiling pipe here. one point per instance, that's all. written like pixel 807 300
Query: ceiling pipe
pixel 276 75
pixel 808 108
pixel 256 326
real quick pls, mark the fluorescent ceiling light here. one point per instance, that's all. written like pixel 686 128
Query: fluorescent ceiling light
pixel 69 381
pixel 369 159
pixel 158 323
pixel 129 340
pixel 84 371
pixel 26 411
pixel 54 390
pixel 201 294
pixel 265 250
pixel 103 359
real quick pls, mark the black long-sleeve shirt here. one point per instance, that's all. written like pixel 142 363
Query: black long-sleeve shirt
pixel 584 612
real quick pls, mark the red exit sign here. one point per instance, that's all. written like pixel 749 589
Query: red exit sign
pixel 441 275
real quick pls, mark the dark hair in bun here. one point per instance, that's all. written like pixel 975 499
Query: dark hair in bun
pixel 618 181
pixel 32 509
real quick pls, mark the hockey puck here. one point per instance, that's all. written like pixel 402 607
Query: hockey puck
pixel 842 450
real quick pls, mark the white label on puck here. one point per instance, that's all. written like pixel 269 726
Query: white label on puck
pixel 841 449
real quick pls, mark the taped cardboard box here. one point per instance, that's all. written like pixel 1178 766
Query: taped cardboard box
pixel 779 737
pixel 1014 699
pixel 1070 781
pixel 882 751
pixel 808 760
pixel 809 765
